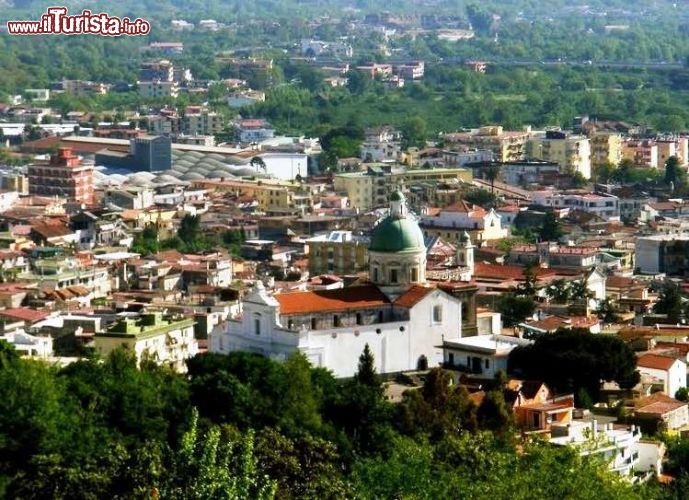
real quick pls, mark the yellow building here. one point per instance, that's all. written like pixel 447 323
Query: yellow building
pixel 644 153
pixel 371 188
pixel 274 197
pixel 339 252
pixel 572 152
pixel 506 145
pixel 672 146
pixel 166 341
pixel 606 148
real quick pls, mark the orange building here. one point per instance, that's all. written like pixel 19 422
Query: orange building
pixel 536 407
pixel 63 176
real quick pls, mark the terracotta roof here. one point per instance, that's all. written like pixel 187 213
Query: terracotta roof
pixel 680 347
pixel 655 361
pixel 466 208
pixel 497 271
pixel 619 282
pixel 549 323
pixel 24 314
pixel 657 404
pixel 635 332
pixel 51 230
pixel 168 256
pixel 583 321
pixel 413 296
pixel 343 299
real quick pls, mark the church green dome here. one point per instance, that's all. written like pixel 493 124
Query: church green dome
pixel 397 234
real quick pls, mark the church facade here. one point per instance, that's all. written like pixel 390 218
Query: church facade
pixel 402 317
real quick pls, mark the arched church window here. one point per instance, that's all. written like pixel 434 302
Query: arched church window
pixel 437 314
pixel 257 324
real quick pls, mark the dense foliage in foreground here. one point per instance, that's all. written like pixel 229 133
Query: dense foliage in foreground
pixel 242 426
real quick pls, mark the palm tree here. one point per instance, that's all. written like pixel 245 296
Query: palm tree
pixel 492 173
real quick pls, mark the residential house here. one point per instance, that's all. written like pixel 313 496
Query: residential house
pixel 535 405
pixel 667 372
pixel 451 222
pixel 550 324
pixel 165 340
pixel 254 130
pixel 662 409
pixel 604 205
pixel 621 446
pixel 481 355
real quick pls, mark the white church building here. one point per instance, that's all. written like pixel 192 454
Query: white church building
pixel 402 318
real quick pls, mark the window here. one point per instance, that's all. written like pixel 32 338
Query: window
pixel 313 323
pixel 359 319
pixel 393 276
pixel 487 364
pixel 437 314
pixel 257 326
pixel 414 274
pixel 290 324
pixel 375 274
pixel 336 320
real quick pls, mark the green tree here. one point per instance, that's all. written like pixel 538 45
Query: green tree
pixel 304 467
pixel 559 291
pixel 604 173
pixel 189 231
pixel 607 311
pixel 414 132
pixel 357 81
pixel 210 466
pixel 670 302
pixel 515 309
pixel 675 174
pixel 258 164
pixel 494 414
pixel 624 171
pixel 366 373
pixel 551 230
pixel 302 412
pixel 438 410
pixel 571 359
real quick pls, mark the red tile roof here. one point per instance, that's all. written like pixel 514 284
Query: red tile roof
pixel 657 404
pixel 466 208
pixel 619 282
pixel 413 296
pixel 655 361
pixel 343 299
pixel 549 323
pixel 497 271
pixel 24 314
